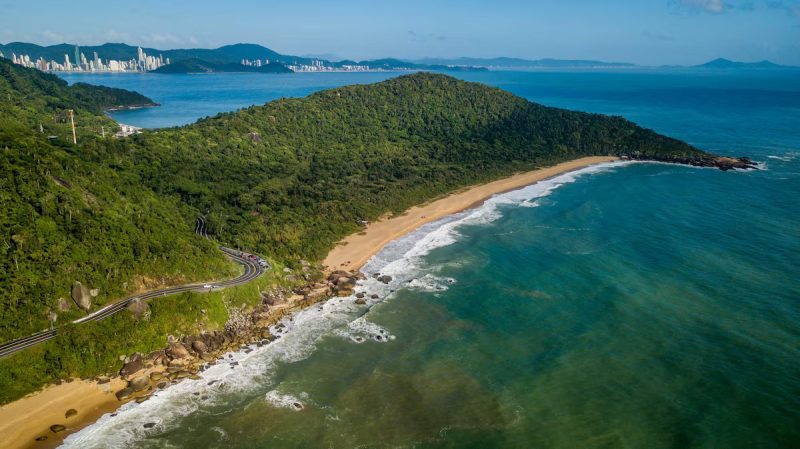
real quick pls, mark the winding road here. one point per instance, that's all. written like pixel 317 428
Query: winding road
pixel 252 270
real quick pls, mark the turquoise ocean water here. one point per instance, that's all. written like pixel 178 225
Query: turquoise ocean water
pixel 624 306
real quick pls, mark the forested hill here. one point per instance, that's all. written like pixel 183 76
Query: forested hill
pixel 69 214
pixel 294 176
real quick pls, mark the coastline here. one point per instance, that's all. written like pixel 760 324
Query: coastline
pixel 22 421
pixel 355 250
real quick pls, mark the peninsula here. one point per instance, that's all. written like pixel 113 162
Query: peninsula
pixel 89 223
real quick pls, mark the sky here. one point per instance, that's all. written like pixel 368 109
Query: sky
pixel 649 32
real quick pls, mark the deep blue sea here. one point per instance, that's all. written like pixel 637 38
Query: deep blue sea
pixel 630 305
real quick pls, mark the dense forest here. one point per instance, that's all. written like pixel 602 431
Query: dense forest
pixel 287 180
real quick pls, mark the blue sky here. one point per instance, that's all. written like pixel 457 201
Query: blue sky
pixel 641 31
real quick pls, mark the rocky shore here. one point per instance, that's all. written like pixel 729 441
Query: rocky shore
pixel 722 163
pixel 186 357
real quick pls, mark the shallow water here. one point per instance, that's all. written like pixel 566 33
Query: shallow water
pixel 630 305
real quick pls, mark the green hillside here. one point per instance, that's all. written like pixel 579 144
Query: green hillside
pixel 68 214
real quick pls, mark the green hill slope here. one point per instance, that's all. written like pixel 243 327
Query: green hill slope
pixel 317 165
pixel 69 215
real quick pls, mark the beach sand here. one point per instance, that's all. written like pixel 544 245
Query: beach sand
pixel 354 251
pixel 22 421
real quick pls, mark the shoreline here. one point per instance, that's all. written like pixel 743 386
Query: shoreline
pixel 352 253
pixel 22 421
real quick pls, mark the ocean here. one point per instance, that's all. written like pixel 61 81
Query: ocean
pixel 627 305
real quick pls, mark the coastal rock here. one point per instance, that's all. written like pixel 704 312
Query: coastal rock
pixel 337 274
pixel 385 279
pixel 148 425
pixel 134 365
pixel 361 301
pixel 70 413
pixel 80 294
pixel 42 438
pixel 199 346
pixel 177 351
pixel 158 357
pixel 722 163
pixel 55 428
pixel 360 295
pixel 139 383
pixel 344 292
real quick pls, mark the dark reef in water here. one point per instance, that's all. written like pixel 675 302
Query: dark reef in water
pixel 707 160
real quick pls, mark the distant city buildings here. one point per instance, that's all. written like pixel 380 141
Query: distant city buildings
pixel 80 63
pixel 319 66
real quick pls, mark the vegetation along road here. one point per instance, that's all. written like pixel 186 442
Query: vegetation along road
pixel 254 267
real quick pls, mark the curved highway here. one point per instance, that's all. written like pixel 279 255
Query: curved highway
pixel 253 268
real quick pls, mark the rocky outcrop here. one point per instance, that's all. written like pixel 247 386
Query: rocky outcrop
pixel 133 365
pixel 705 160
pixel 63 304
pixel 138 308
pixel 81 296
pixel 177 351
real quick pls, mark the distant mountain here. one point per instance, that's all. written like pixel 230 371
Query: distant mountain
pixel 518 63
pixel 195 65
pixel 722 63
pixel 228 54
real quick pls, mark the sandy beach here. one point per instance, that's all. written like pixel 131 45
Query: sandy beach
pixel 355 250
pixel 22 421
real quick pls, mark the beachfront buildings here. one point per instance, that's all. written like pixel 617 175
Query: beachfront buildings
pixel 80 63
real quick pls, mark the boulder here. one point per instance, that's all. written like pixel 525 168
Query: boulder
pixel 337 274
pixel 55 428
pixel 199 346
pixel 148 425
pixel 138 308
pixel 81 296
pixel 158 357
pixel 124 394
pixel 177 351
pixel 139 383
pixel 94 292
pixel 361 301
pixel 63 304
pixel 71 412
pixel 385 279
pixel 344 292
pixel 42 438
pixel 134 365
pixel 360 295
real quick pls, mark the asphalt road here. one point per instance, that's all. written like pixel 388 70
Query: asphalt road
pixel 252 270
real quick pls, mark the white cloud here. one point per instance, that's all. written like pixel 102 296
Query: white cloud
pixel 712 6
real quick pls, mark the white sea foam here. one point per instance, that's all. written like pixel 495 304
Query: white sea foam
pixel 243 373
pixel 281 400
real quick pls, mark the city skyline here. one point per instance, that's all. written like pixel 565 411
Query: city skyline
pixel 647 32
pixel 80 63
